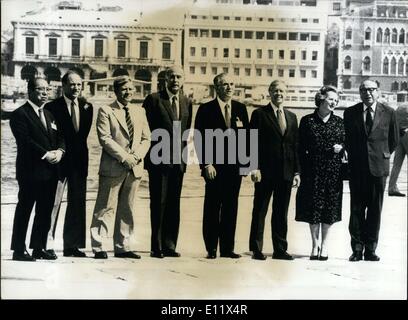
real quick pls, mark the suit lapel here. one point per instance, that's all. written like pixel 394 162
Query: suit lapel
pixel 272 117
pixel 120 116
pixel 220 117
pixel 377 115
pixel 165 101
pixel 288 121
pixel 36 119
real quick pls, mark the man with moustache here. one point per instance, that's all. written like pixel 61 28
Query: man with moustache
pixel 222 179
pixel 40 147
pixel 74 116
pixel 165 109
pixel 371 137
pixel 278 171
pixel 124 135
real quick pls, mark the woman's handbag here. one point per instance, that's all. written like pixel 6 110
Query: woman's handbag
pixel 344 169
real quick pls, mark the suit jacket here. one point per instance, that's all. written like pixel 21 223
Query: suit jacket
pixel 373 150
pixel 76 157
pixel 160 116
pixel 114 138
pixel 33 141
pixel 277 153
pixel 402 118
pixel 209 116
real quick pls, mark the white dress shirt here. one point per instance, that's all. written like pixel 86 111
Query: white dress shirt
pixel 373 107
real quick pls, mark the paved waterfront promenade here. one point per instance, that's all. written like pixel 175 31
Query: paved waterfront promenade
pixel 194 277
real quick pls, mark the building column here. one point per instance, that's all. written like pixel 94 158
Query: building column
pixel 154 80
pixel 17 71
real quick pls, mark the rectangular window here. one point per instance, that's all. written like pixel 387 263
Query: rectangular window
pixel 248 19
pixel 258 72
pixel 304 20
pixel 192 51
pixel 225 70
pixel 303 73
pixel 214 70
pixel 192 70
pixel 29 45
pixel 282 36
pixel 237 34
pixel 270 54
pixel 280 73
pixel 293 36
pixel 98 48
pixel 236 53
pixel 203 70
pixel 75 47
pixel 215 33
pixel 122 48
pixel 260 35
pixel 144 48
pixel 166 52
pixel 226 18
pixel 259 53
pixel 336 6
pixel 292 54
pixel 314 74
pixel 249 34
pixel 237 18
pixel 226 34
pixel 247 53
pixel 226 53
pixel 215 17
pixel 281 54
pixel 204 33
pixel 236 71
pixel 303 53
pixel 270 20
pixel 248 72
pixel 215 51
pixel 314 55
pixel 270 35
pixel 291 73
pixel 270 73
pixel 315 20
pixel 304 37
pixel 52 47
pixel 193 33
pixel 203 51
pixel 193 17
pixel 315 37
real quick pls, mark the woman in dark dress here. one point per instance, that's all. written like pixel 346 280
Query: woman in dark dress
pixel 321 147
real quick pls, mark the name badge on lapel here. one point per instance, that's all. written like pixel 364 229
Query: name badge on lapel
pixel 53 125
pixel 238 123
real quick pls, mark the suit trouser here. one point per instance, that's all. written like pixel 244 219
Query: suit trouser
pixel 165 191
pixel 281 191
pixel 114 212
pixel 400 152
pixel 367 194
pixel 220 211
pixel 74 232
pixel 42 194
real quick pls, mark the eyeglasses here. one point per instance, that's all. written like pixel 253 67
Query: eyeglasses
pixel 368 89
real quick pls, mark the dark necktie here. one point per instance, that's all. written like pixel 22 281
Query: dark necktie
pixel 281 120
pixel 42 117
pixel 129 124
pixel 369 120
pixel 174 106
pixel 74 117
pixel 227 116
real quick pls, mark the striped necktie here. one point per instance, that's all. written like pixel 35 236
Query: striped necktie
pixel 129 124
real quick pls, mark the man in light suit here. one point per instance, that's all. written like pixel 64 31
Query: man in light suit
pixel 164 110
pixel 74 116
pixel 400 152
pixel 278 171
pixel 222 179
pixel 40 147
pixel 371 137
pixel 124 135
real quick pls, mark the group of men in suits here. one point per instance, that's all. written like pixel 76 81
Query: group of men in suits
pixel 53 141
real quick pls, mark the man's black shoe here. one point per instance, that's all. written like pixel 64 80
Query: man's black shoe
pixel 127 254
pixel 356 256
pixel 282 256
pixel 258 255
pixel 101 255
pixel 22 256
pixel 42 254
pixel 74 252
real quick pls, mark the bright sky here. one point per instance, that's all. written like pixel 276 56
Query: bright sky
pixel 13 9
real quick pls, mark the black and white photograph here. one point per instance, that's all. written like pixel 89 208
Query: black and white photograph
pixel 204 150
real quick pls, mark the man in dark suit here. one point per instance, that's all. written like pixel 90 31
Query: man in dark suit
pixel 40 147
pixel 277 173
pixel 371 137
pixel 221 174
pixel 74 116
pixel 165 109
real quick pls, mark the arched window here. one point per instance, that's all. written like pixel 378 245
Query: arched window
pixel 394 36
pixel 400 66
pixel 379 35
pixel 386 66
pixel 401 36
pixel 367 34
pixel 393 66
pixel 347 63
pixel 394 86
pixel 347 84
pixel 349 33
pixel 367 64
pixel 406 67
pixel 404 86
pixel 387 35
